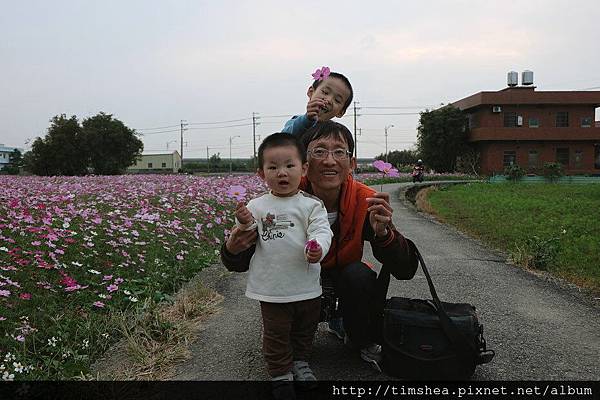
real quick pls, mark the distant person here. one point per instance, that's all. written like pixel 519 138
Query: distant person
pixel 418 171
pixel 328 96
pixel 293 236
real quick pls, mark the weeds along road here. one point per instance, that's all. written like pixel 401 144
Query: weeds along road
pixel 540 329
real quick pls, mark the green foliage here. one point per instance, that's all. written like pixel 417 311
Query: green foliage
pixel 537 252
pixel 101 144
pixel 61 151
pixel 442 137
pixel 400 157
pixel 110 145
pixel 514 172
pixel 553 171
pixel 215 160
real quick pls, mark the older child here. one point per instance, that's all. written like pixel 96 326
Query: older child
pixel 294 235
pixel 329 96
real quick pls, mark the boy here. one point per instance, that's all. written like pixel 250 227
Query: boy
pixel 293 236
pixel 329 96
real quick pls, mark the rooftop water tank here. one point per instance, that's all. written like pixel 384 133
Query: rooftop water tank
pixel 512 79
pixel 527 78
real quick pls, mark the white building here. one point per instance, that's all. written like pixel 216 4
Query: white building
pixel 158 162
pixel 5 154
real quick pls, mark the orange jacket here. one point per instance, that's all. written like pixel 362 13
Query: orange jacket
pixel 348 240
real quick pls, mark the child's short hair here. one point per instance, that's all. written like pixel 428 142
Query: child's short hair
pixel 337 75
pixel 323 129
pixel 280 139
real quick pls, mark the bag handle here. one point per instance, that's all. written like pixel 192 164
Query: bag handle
pixel 457 339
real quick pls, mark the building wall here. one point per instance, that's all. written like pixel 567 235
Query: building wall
pixel 156 162
pixel 584 157
pixel 483 116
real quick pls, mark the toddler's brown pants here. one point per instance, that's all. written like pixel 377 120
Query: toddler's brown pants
pixel 288 333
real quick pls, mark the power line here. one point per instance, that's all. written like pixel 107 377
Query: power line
pixel 159 127
pixel 220 122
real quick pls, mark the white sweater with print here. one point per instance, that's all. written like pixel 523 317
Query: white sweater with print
pixel 279 272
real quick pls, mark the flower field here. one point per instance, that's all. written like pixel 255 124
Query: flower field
pixel 74 250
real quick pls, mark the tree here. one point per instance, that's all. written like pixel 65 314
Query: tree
pixel 15 162
pixel 442 137
pixel 400 157
pixel 110 145
pixel 60 152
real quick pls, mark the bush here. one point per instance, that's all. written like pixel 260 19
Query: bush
pixel 536 252
pixel 514 172
pixel 553 171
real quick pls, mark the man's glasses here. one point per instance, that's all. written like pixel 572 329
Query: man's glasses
pixel 320 153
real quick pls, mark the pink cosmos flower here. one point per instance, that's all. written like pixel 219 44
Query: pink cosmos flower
pixel 4 293
pixel 112 288
pixel 386 168
pixel 107 277
pixel 2 318
pixel 237 192
pixel 312 245
pixel 321 73
pixel 98 304
pixel 25 296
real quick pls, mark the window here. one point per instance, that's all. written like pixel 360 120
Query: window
pixel 510 158
pixel 149 165
pixel 597 156
pixel 510 119
pixel 534 122
pixel 562 156
pixel 164 165
pixel 586 122
pixel 562 119
pixel 533 158
pixel 578 158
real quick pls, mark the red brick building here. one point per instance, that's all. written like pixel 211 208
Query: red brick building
pixel 523 126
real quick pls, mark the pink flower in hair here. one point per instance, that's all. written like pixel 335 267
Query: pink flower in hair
pixel 321 73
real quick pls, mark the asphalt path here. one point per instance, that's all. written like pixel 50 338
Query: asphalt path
pixel 540 328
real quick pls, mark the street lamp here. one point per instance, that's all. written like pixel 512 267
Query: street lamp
pixel 230 140
pixel 386 150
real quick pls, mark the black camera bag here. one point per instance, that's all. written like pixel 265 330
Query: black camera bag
pixel 430 339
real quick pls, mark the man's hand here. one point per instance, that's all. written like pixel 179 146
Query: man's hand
pixel 243 214
pixel 314 107
pixel 240 240
pixel 380 213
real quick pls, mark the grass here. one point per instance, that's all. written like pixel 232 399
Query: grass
pixel 547 226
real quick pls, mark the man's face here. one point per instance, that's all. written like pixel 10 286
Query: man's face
pixel 335 93
pixel 282 169
pixel 329 173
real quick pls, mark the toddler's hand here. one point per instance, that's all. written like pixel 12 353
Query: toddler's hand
pixel 313 251
pixel 314 107
pixel 243 214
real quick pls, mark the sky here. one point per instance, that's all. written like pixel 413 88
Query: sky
pixel 152 64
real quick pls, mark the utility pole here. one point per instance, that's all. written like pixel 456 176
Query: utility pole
pixel 255 117
pixel 183 125
pixel 230 140
pixel 355 141
pixel 386 150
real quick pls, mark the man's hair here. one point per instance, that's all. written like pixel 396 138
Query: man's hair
pixel 337 75
pixel 324 129
pixel 280 139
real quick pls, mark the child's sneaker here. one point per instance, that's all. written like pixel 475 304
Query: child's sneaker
pixel 335 326
pixel 372 355
pixel 303 375
pixel 283 387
